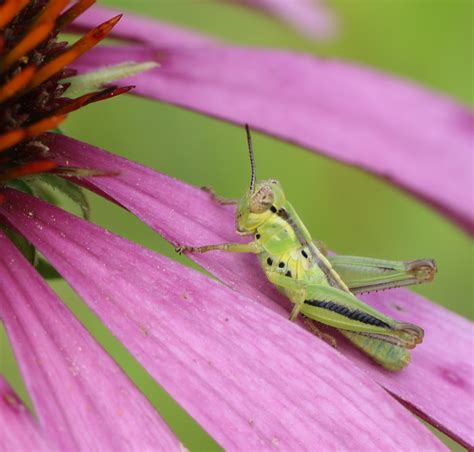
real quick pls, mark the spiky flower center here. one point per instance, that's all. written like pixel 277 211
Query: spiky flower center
pixel 33 63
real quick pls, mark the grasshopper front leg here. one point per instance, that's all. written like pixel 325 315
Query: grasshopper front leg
pixel 365 274
pixel 218 199
pixel 251 247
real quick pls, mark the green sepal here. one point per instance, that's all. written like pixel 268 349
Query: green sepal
pixel 24 246
pixel 94 81
pixel 46 270
pixel 68 189
pixel 40 186
pixel 32 186
pixel 20 185
pixel 57 130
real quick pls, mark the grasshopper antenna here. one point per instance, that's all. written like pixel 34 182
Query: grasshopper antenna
pixel 252 160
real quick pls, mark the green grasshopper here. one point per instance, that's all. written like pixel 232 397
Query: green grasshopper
pixel 323 287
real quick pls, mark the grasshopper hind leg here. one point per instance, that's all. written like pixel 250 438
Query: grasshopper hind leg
pixel 389 356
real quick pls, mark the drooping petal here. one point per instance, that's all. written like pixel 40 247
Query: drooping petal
pixel 435 384
pixel 310 17
pixel 75 386
pixel 18 429
pixel 439 383
pixel 252 379
pixel 140 29
pixel 419 140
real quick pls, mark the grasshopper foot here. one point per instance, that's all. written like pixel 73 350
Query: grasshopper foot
pixel 217 198
pixel 208 189
pixel 317 332
pixel 180 249
pixel 422 269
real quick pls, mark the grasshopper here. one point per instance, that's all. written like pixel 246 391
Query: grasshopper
pixel 323 288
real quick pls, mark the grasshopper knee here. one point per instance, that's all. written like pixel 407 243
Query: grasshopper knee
pixel 422 269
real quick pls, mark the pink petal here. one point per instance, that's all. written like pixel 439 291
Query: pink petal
pixel 436 384
pixel 310 17
pixel 439 383
pixel 252 379
pixel 82 399
pixel 418 140
pixel 18 429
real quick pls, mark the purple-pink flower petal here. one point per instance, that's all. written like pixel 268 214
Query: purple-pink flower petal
pixel 141 29
pixel 83 400
pixel 19 431
pixel 310 17
pixel 252 379
pixel 437 384
pixel 419 140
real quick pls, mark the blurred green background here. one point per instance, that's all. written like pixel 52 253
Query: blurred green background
pixel 429 41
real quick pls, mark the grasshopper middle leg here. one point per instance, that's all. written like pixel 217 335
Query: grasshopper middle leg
pixel 365 274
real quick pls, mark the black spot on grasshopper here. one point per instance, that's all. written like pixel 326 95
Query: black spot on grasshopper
pixel 281 264
pixel 327 270
pixel 353 314
pixel 288 273
pixel 270 261
pixel 257 236
pixel 273 209
pixel 305 254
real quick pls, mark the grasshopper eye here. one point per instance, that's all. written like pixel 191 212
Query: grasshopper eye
pixel 262 200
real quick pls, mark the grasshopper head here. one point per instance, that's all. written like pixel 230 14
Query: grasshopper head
pixel 261 201
pixel 257 206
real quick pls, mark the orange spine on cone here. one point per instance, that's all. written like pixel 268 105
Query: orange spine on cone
pixel 34 37
pixel 14 137
pixel 10 9
pixel 16 83
pixel 38 166
pixel 88 41
pixel 74 11
pixel 89 98
pixel 52 11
